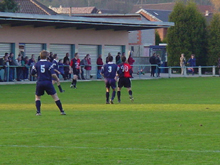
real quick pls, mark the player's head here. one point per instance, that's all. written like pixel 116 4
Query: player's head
pixel 55 56
pixel 110 58
pixel 43 54
pixel 76 55
pixel 123 59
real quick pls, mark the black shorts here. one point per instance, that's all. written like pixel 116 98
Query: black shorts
pixel 124 82
pixel 76 72
pixel 45 86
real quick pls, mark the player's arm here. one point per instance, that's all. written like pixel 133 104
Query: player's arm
pixel 70 67
pixel 56 78
pixel 56 71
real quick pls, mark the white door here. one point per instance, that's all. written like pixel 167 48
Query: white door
pixel 92 50
pixel 4 48
pixel 60 49
pixel 113 50
pixel 30 49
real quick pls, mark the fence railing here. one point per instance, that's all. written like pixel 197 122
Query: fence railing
pixel 139 71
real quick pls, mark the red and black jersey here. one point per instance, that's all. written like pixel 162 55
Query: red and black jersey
pixel 75 63
pixel 125 70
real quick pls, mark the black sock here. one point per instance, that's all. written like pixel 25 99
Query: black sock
pixel 119 95
pixel 60 88
pixel 73 81
pixel 59 104
pixel 113 95
pixel 107 96
pixel 130 92
pixel 38 104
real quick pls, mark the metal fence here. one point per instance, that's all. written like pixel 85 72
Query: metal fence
pixel 139 72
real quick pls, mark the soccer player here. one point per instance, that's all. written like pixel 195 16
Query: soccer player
pixel 109 71
pixel 124 73
pixel 75 69
pixel 44 72
pixel 56 69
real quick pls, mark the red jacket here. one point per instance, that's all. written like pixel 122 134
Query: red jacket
pixel 99 62
pixel 130 60
pixel 88 66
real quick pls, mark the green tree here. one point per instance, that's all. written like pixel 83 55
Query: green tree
pixel 8 6
pixel 189 35
pixel 157 38
pixel 214 40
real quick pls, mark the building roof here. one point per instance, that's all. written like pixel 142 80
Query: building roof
pixel 61 21
pixel 74 10
pixel 33 7
pixel 168 6
pixel 160 15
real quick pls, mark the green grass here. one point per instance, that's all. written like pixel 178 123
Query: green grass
pixel 172 121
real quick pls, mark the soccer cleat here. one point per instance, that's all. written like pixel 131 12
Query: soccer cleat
pixel 111 101
pixel 62 91
pixel 131 98
pixel 75 87
pixel 107 102
pixel 71 85
pixel 38 114
pixel 119 101
pixel 63 113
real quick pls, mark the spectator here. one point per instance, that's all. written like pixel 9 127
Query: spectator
pixel 99 62
pixel 83 62
pixel 61 68
pixel 67 70
pixel 6 65
pixel 31 63
pixel 118 58
pixel 25 68
pixel 107 58
pixel 66 58
pixel 158 59
pixel 130 60
pixel 153 61
pixel 19 68
pixel 12 68
pixel 88 66
pixel 182 63
pixel 192 63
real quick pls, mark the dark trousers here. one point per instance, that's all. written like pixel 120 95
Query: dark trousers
pixel 19 73
pixel 158 71
pixel 153 70
pixel 11 74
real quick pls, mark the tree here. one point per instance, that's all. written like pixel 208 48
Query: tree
pixel 189 35
pixel 214 40
pixel 216 4
pixel 8 6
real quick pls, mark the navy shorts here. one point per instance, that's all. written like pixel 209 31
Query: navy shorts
pixel 124 82
pixel 45 86
pixel 110 83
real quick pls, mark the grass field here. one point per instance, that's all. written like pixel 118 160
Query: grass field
pixel 172 121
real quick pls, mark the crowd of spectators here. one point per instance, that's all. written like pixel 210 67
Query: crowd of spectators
pixel 18 69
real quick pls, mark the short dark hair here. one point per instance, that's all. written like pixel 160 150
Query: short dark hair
pixel 123 58
pixel 54 56
pixel 110 58
pixel 75 54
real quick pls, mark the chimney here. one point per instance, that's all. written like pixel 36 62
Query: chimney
pixel 70 13
pixel 206 13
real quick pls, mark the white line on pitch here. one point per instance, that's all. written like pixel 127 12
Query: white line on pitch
pixel 108 148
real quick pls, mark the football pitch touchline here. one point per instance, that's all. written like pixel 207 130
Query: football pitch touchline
pixel 109 148
pixel 112 133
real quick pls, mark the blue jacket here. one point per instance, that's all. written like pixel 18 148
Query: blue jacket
pixel 192 62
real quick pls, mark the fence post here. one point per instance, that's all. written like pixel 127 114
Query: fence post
pixel 185 71
pixel 8 69
pixel 169 71
pixel 200 71
pixel 213 70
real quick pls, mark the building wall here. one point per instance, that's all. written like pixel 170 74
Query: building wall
pixel 50 35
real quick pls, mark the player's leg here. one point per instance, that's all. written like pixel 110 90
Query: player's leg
pixel 59 87
pixel 113 86
pixel 119 94
pixel 37 104
pixel 58 103
pixel 107 94
pixel 128 86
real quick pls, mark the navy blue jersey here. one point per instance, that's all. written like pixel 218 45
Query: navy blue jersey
pixel 44 70
pixel 109 70
pixel 55 65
